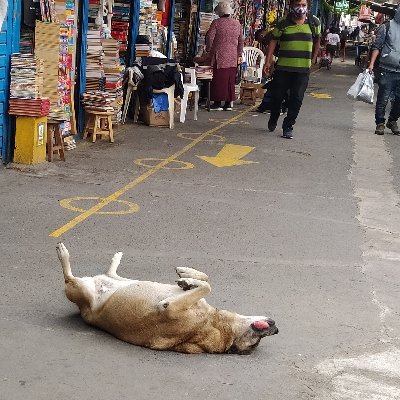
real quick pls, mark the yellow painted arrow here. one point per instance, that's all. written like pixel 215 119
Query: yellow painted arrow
pixel 230 155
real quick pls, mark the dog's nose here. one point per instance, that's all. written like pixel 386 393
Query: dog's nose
pixel 270 322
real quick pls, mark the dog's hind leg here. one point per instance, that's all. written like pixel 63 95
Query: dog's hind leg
pixel 185 272
pixel 63 256
pixel 194 290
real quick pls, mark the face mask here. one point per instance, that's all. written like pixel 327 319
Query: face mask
pixel 298 11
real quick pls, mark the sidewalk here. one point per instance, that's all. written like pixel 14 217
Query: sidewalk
pixel 303 230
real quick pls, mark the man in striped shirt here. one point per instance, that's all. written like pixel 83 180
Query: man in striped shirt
pixel 298 35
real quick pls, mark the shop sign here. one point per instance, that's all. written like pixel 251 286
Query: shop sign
pixel 40 136
pixel 342 6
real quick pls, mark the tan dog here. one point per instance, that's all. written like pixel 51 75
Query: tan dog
pixel 161 316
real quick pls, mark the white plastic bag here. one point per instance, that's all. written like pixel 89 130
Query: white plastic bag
pixel 363 88
pixel 366 93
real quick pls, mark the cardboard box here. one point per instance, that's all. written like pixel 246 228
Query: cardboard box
pixel 259 88
pixel 151 118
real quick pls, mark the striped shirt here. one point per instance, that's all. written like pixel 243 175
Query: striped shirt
pixel 295 44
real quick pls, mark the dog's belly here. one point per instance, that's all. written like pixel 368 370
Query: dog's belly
pixel 132 314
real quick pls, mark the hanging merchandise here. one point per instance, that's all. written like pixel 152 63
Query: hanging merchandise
pixel 55 45
pixel 365 14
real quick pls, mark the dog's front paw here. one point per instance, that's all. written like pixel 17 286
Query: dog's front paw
pixel 187 283
pixel 185 272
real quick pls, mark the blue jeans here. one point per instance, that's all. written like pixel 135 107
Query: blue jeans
pixel 389 84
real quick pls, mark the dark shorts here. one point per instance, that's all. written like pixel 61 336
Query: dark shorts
pixel 331 49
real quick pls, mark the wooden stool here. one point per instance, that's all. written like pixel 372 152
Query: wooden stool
pixel 55 144
pixel 98 123
pixel 248 95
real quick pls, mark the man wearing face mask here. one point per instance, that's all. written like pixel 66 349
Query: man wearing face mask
pixel 387 45
pixel 298 35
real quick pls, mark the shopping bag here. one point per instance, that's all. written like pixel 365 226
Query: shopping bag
pixel 366 93
pixel 363 88
pixel 355 87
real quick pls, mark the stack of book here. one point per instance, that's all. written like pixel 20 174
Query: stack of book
pixel 94 61
pixel 29 107
pixel 26 76
pixel 47 48
pixel 113 71
pixel 26 41
pixel 120 26
pixel 94 7
pixel 204 72
pixel 148 26
pixel 142 50
pixel 205 22
pixel 98 101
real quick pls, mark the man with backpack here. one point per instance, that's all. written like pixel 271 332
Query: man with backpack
pixel 298 35
pixel 387 47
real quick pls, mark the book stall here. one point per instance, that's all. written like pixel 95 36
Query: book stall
pixel 42 73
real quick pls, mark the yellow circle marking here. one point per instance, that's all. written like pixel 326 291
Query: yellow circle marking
pixel 321 95
pixel 183 165
pixel 237 122
pixel 193 136
pixel 68 204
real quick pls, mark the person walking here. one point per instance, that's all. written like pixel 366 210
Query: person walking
pixel 224 44
pixel 344 37
pixel 332 42
pixel 387 46
pixel 298 35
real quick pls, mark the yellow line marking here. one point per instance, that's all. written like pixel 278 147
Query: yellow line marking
pixel 68 204
pixel 183 164
pixel 321 95
pixel 114 196
pixel 192 136
pixel 230 155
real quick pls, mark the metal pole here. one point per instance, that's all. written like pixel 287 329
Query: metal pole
pixel 81 62
pixel 170 28
pixel 133 30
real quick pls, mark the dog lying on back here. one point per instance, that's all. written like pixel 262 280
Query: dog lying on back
pixel 162 316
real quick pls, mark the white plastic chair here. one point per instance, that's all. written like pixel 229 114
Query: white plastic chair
pixel 255 60
pixel 171 103
pixel 155 53
pixel 190 87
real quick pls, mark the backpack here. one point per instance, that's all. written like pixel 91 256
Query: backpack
pixel 377 68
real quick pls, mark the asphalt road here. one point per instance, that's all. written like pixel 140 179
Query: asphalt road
pixel 307 233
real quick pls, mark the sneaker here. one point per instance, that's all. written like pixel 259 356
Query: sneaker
pixel 228 106
pixel 271 126
pixel 380 129
pixel 288 133
pixel 392 125
pixel 262 109
pixel 216 107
